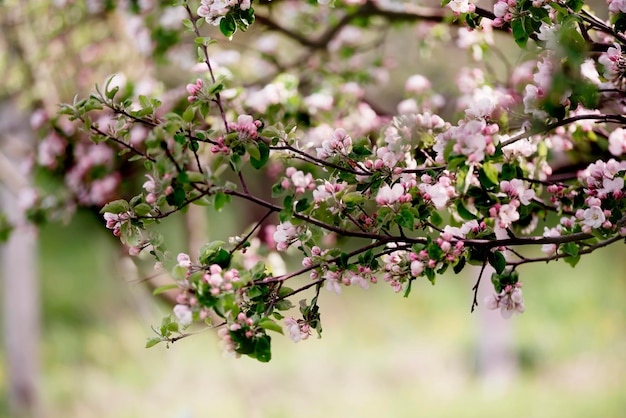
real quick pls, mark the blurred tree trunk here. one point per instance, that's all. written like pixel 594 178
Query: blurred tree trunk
pixel 497 363
pixel 18 258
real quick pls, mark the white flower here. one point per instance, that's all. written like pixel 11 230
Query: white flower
pixel 438 195
pixel 284 234
pixel 508 214
pixel 389 195
pixel 183 314
pixel 593 217
pixel 460 6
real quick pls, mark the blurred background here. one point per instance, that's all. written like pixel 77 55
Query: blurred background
pixel 380 355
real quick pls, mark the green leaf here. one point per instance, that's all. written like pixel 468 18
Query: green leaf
pixel 497 261
pixel 436 219
pixel 405 218
pixel 302 205
pixel 177 197
pixel 153 341
pixel 263 349
pixel 572 260
pixel 164 288
pixel 464 212
pixel 220 200
pixel 264 153
pixel 228 26
pixel 142 209
pixel 254 151
pixel 116 206
pixel 353 198
pixel 519 33
pixel 270 325
pixel 488 175
pixel 458 267
pixel 189 114
pixel 283 305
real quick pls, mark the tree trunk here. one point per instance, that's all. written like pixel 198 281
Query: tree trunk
pixel 18 261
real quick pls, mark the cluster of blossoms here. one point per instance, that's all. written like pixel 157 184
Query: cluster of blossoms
pixel 504 11
pixel 213 11
pixel 509 300
pixel 387 196
pixel 614 63
pixel 285 235
pixel 439 192
pixel 194 90
pixel 242 325
pixel 246 127
pixel 462 6
pixel 397 264
pixel 327 191
pixel 345 171
pixel 297 329
pixel 339 143
pixel 472 138
pixel 157 188
pixel 298 180
pixel 115 221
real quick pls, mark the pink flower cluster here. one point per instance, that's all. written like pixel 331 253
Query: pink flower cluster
pixel 246 127
pixel 285 235
pixel 504 11
pixel 114 221
pixel 298 180
pixel 327 191
pixel 194 90
pixel 516 189
pixel 440 192
pixel 473 138
pixel 509 301
pixel 214 10
pixel 339 143
pixel 462 6
pixel 388 196
pixel 505 214
pixel 85 178
pixel 50 149
pixel 219 280
pixel 297 330
pixel 242 322
pixel 154 188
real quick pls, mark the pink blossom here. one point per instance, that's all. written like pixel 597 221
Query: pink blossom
pixel 617 142
pixel 284 235
pixel 297 330
pixel 516 188
pixel 509 301
pixel 461 6
pixel 387 196
pixel 417 267
pixel 183 314
pixel 417 84
pixel 438 194
pixel 183 260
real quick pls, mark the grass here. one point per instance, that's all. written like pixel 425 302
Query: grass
pixel 380 355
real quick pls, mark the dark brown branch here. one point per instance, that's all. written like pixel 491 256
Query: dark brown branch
pixel 588 250
pixel 476 285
